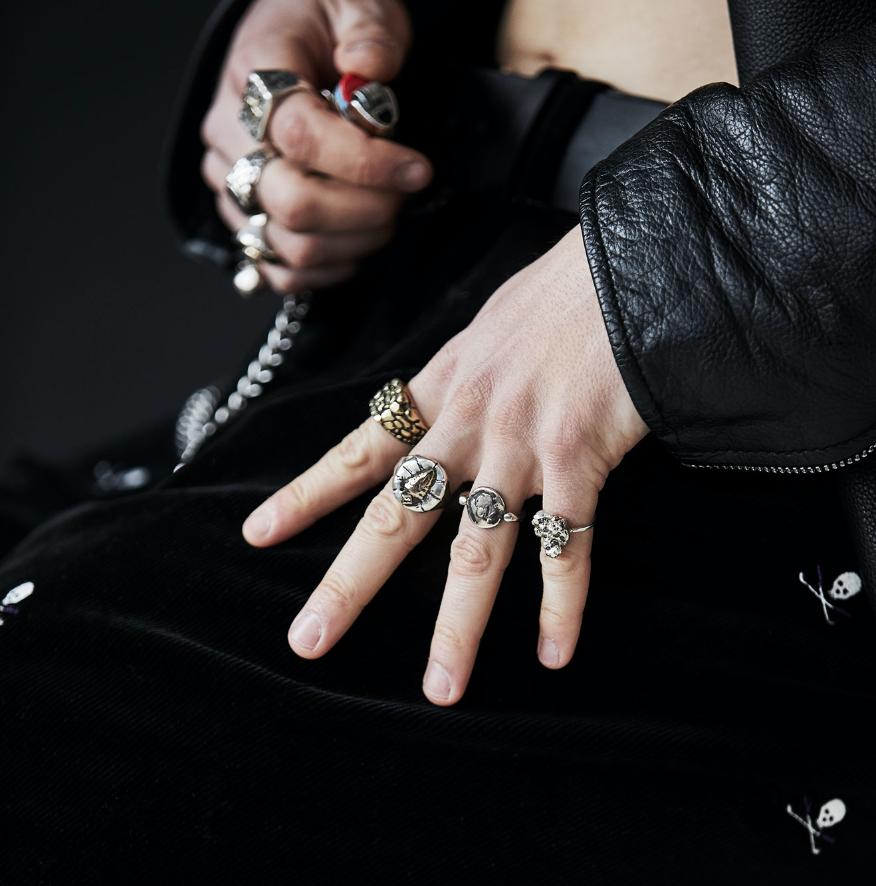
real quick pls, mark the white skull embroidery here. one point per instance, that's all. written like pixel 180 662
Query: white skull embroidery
pixel 16 595
pixel 832 812
pixel 846 585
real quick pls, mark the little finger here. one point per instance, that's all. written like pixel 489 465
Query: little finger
pixel 565 565
pixel 284 280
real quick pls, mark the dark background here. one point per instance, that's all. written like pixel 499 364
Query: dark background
pixel 104 325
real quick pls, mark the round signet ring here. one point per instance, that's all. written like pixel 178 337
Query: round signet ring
pixel 486 508
pixel 419 484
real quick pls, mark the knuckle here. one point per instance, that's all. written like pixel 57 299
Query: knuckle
pixel 369 168
pixel 556 619
pixel 354 451
pixel 383 519
pixel 297 213
pixel 472 397
pixel 208 171
pixel 449 638
pixel 305 252
pixel 510 415
pixel 298 496
pixel 563 568
pixel 562 440
pixel 336 593
pixel 470 555
pixel 210 127
pixel 294 135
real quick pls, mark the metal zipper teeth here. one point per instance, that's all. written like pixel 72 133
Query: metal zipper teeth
pixel 772 469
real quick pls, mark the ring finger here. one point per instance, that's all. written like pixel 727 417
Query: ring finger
pixel 309 250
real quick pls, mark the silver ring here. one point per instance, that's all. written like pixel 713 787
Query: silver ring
pixel 260 96
pixel 241 182
pixel 419 484
pixel 554 532
pixel 248 278
pixel 371 106
pixel 486 508
pixel 252 239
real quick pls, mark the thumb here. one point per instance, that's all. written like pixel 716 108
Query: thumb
pixel 372 38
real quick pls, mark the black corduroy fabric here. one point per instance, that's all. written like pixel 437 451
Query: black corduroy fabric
pixel 157 726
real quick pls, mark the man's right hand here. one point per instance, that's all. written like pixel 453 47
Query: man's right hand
pixel 333 193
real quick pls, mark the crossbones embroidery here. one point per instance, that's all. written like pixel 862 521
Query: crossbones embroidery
pixel 16 595
pixel 833 812
pixel 846 585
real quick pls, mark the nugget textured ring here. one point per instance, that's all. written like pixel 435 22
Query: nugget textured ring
pixel 241 182
pixel 393 407
pixel 419 484
pixel 554 532
pixel 260 97
pixel 486 508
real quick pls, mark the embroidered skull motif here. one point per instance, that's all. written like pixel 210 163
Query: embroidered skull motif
pixel 846 585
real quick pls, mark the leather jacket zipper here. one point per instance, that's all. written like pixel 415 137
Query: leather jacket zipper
pixel 809 469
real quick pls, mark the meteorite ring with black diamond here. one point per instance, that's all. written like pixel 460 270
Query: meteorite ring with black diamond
pixel 554 532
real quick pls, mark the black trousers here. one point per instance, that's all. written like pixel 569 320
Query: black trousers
pixel 157 726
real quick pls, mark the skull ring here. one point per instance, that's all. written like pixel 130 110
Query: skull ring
pixel 554 532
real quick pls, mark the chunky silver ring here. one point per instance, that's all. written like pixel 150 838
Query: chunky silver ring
pixel 252 239
pixel 260 96
pixel 248 278
pixel 554 532
pixel 244 177
pixel 420 483
pixel 486 508
pixel 370 105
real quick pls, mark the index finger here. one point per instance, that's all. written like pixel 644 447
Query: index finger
pixel 364 458
pixel 309 134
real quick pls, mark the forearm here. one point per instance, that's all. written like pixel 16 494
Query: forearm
pixel 733 245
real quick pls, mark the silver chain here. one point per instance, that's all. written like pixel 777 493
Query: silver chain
pixel 203 416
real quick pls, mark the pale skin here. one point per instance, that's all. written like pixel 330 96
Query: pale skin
pixel 554 421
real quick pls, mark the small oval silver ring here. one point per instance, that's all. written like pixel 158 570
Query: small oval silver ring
pixel 486 508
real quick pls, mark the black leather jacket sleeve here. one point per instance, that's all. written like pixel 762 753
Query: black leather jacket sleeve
pixel 733 247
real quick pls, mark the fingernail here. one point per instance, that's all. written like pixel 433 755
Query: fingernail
pixel 258 524
pixel 548 653
pixel 306 630
pixel 436 683
pixel 412 176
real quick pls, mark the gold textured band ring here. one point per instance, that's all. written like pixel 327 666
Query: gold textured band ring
pixel 394 408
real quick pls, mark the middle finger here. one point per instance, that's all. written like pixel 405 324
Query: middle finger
pixel 309 203
pixel 478 559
